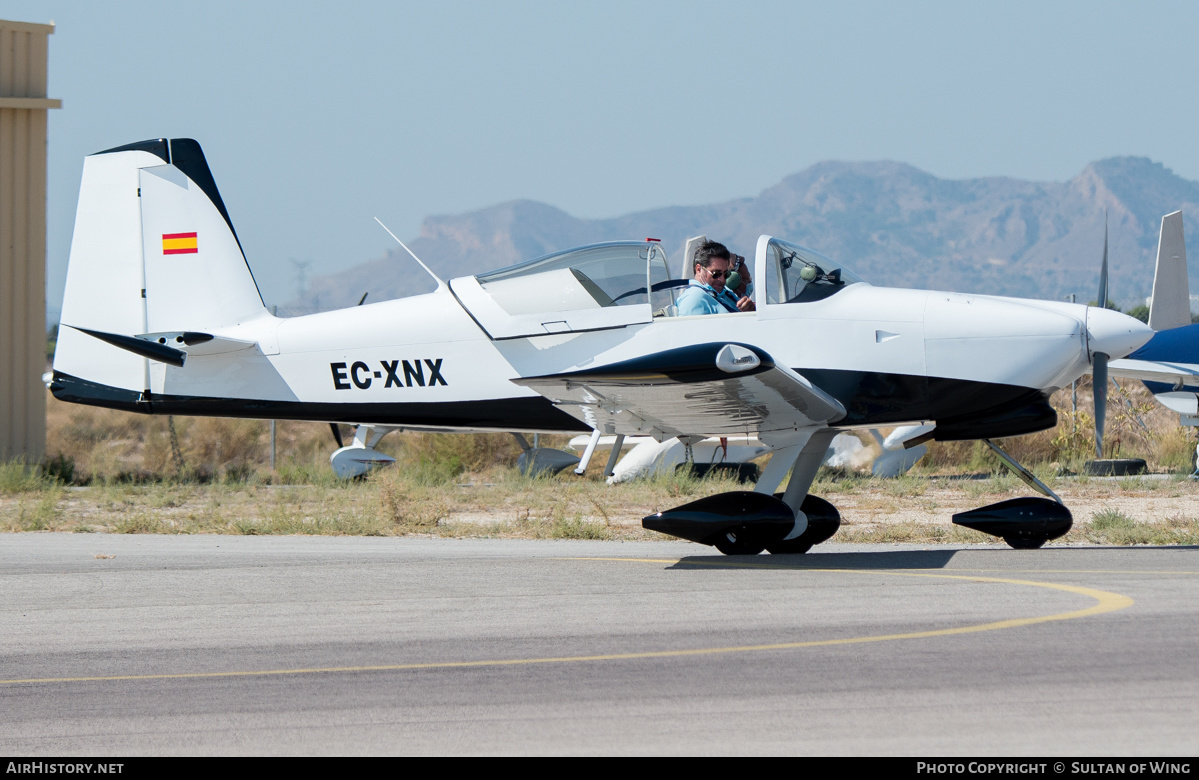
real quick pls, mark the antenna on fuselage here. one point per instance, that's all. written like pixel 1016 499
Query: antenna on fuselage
pixel 436 278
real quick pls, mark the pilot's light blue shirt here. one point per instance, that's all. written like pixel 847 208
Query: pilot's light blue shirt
pixel 702 299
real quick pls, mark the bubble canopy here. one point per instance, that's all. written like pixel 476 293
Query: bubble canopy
pixel 591 287
pixel 616 273
pixel 622 283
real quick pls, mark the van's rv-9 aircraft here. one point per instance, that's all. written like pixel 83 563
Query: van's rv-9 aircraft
pixel 161 315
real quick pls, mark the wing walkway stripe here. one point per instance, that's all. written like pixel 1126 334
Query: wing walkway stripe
pixel 1106 601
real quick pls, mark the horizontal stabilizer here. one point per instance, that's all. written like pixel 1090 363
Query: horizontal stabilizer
pixel 195 343
pixel 140 346
pixel 171 348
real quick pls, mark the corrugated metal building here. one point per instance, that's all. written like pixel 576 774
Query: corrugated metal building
pixel 24 58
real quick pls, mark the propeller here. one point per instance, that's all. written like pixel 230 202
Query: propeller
pixel 1099 360
pixel 337 434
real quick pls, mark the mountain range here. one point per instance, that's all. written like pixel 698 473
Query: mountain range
pixel 893 224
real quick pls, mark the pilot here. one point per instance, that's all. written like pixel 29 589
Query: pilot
pixel 707 292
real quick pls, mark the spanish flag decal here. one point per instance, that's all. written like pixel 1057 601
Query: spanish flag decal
pixel 179 244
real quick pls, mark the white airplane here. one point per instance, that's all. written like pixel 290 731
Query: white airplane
pixel 161 315
pixel 648 457
pixel 731 455
pixel 898 455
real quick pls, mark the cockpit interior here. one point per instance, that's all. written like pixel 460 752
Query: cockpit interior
pixel 623 282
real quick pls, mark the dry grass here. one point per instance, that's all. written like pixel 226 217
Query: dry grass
pixel 502 503
pixel 114 472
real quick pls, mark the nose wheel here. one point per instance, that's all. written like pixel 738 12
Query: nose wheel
pixel 823 522
pixel 1024 523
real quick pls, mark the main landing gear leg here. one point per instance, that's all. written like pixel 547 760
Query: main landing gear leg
pixel 816 520
pixel 1024 523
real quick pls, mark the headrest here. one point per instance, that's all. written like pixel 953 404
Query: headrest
pixel 689 250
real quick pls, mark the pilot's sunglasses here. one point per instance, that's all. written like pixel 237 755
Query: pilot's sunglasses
pixel 719 274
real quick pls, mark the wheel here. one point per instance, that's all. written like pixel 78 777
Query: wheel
pixel 737 543
pixel 823 522
pixel 1021 543
pixel 796 546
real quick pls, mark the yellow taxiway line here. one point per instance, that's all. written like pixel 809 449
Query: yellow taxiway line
pixel 1106 601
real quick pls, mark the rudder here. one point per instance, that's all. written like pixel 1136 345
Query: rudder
pixel 1171 294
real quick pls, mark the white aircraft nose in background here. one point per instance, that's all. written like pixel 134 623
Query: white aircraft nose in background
pixel 1112 333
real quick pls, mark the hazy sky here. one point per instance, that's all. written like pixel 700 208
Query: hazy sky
pixel 315 117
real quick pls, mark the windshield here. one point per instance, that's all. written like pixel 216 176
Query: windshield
pixel 597 276
pixel 795 274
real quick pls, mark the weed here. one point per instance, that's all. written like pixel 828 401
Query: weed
pixel 435 473
pixel 834 481
pixel 245 527
pixel 1175 450
pixel 1173 531
pixel 677 483
pixel 142 523
pixel 597 505
pixel 905 485
pixel 1108 519
pixel 38 514
pixel 975 489
pixel 912 532
pixel 305 473
pixel 1006 482
pixel 409 505
pixel 59 469
pixel 18 477
pixel 577 528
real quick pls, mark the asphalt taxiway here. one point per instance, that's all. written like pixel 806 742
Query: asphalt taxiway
pixel 131 645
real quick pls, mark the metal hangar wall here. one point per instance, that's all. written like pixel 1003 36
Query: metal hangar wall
pixel 24 59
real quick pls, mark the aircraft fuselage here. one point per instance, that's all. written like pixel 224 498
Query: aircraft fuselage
pixel 888 355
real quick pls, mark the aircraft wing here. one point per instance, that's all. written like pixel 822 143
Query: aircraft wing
pixel 1178 374
pixel 713 389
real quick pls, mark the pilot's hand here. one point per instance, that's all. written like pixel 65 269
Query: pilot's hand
pixel 745 304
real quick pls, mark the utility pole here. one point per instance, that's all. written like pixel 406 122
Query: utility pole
pixel 275 312
pixel 1073 390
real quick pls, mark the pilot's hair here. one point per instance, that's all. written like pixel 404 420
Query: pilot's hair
pixel 709 250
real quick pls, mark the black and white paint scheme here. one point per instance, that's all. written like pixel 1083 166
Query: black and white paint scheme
pixel 582 341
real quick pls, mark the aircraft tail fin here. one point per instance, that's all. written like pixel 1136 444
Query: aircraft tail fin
pixel 1171 306
pixel 153 251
